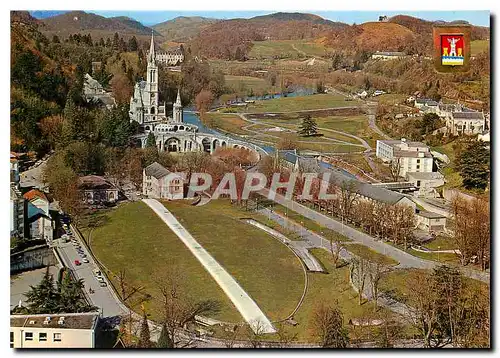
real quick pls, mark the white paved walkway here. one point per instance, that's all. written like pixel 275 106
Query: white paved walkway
pixel 243 302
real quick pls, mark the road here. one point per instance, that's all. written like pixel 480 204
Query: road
pixel 33 177
pixel 405 259
pixel 103 297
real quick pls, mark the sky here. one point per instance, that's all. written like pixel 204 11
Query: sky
pixel 481 18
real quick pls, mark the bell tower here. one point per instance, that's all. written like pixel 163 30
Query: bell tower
pixel 177 110
pixel 151 90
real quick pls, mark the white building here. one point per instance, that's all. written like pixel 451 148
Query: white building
pixel 63 330
pixel 408 156
pixel 485 136
pixel 171 57
pixel 429 221
pixel 93 90
pixel 160 183
pixel 466 123
pixel 17 209
pixel 425 102
pixel 171 134
pixel 426 183
pixel 388 55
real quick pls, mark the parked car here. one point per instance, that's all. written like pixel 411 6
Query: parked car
pixel 77 263
pixel 97 273
pixel 100 279
pixel 102 284
pixel 85 260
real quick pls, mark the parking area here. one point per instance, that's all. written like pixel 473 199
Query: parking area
pixel 20 283
pixel 77 258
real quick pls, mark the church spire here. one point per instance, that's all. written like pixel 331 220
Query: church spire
pixel 178 101
pixel 151 55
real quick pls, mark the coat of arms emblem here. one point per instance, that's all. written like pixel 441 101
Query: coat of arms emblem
pixel 452 50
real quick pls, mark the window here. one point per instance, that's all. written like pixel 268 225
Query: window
pixel 11 339
pixel 57 337
pixel 418 167
pixel 418 183
pixel 418 160
pixel 42 337
pixel 28 336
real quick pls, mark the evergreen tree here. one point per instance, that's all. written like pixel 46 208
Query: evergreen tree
pixel 474 165
pixel 308 127
pixel 42 298
pixel 116 41
pixel 108 42
pixel 151 141
pixel 144 335
pixel 164 341
pixel 101 42
pixel 132 44
pixel 55 39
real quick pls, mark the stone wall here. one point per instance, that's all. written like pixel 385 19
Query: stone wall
pixel 32 258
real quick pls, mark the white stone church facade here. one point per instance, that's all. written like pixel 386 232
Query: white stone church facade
pixel 172 134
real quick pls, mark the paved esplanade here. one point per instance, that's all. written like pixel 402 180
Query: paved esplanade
pixel 243 302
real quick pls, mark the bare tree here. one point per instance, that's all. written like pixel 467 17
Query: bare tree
pixel 178 309
pixel 347 199
pixel 327 325
pixel 395 167
pixel 125 291
pixel 375 272
pixel 254 332
pixel 285 337
pixel 231 336
pixel 336 246
pixel 358 271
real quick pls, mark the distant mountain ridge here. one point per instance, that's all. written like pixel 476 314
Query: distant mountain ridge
pixel 183 28
pixel 98 26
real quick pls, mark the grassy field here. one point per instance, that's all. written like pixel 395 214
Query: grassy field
pixel 357 160
pixel 134 238
pixel 265 268
pixel 286 49
pixel 389 98
pixel 246 83
pixel 441 243
pixel 370 255
pixel 478 46
pixel 300 103
pixel 227 122
pixel 334 289
pixel 396 283
pixel 357 125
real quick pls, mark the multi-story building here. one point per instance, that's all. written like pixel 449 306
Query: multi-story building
pixel 62 330
pixel 160 183
pixel 426 183
pixel 388 55
pixel 170 57
pixel 407 156
pixel 17 209
pixel 466 123
pixel 39 219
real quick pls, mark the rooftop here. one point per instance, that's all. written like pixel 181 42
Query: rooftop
pixel 34 194
pixel 430 215
pixel 425 175
pixel 468 115
pixel 94 182
pixel 156 170
pixel 71 320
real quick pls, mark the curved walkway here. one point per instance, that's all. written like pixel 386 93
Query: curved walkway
pixel 247 307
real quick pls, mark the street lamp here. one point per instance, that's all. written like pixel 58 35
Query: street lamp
pixel 302 228
pixel 322 234
pixel 439 249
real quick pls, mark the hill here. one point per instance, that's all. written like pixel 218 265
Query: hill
pixel 97 26
pixel 224 38
pixel 183 28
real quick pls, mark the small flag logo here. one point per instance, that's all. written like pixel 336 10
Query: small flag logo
pixel 452 50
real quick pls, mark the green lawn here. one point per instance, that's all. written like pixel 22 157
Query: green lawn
pixel 300 103
pixel 265 268
pixel 227 122
pixel 331 288
pixel 397 283
pixel 356 125
pixel 370 255
pixel 286 49
pixel 478 46
pixel 135 239
pixel 241 84
pixel 441 243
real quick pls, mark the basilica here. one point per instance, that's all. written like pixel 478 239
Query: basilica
pixel 171 134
